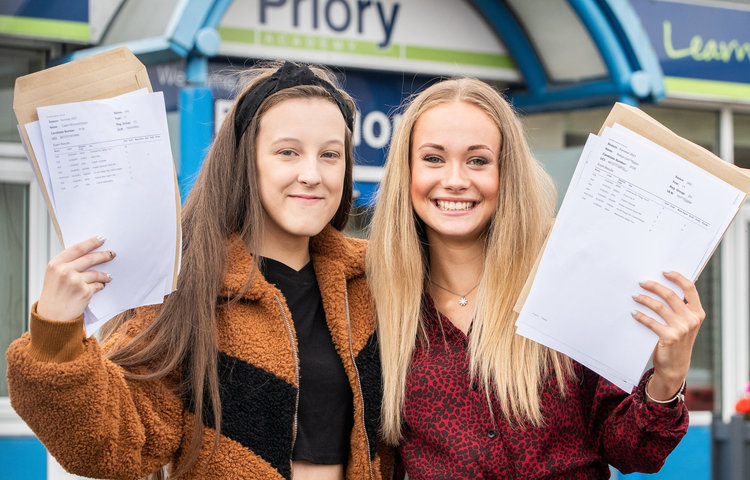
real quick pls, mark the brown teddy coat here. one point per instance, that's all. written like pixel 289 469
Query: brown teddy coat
pixel 98 424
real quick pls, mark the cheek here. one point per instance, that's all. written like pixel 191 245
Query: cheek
pixel 264 175
pixel 491 190
pixel 334 178
pixel 489 185
pixel 267 190
pixel 417 195
pixel 417 186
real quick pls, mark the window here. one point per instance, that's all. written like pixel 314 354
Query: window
pixel 16 62
pixel 14 207
pixel 741 140
pixel 17 197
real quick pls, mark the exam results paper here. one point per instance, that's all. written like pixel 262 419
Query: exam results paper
pixel 633 210
pixel 107 166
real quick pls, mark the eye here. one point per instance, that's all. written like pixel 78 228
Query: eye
pixel 331 155
pixel 478 161
pixel 287 152
pixel 432 159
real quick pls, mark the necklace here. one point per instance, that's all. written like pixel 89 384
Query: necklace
pixel 462 298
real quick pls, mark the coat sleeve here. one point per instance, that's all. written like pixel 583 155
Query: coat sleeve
pixel 633 435
pixel 91 419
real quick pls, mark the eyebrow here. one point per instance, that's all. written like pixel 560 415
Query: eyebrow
pixel 442 148
pixel 297 140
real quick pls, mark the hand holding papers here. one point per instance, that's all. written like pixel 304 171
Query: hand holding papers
pixel 633 210
pixel 106 167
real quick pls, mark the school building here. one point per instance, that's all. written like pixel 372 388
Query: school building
pixel 563 63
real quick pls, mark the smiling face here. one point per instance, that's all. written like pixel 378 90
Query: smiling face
pixel 301 163
pixel 455 149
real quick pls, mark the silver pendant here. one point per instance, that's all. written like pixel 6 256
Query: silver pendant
pixel 462 301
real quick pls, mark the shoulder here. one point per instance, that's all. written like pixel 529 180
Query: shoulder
pixel 355 247
pixel 128 325
pixel 332 247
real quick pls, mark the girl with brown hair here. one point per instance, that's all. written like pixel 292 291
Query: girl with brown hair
pixel 462 213
pixel 263 363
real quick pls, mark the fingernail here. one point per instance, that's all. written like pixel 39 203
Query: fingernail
pixel 111 254
pixel 101 238
pixel 109 277
pixel 633 313
pixel 643 282
pixel 636 296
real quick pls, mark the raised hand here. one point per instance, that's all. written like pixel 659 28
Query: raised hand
pixel 68 282
pixel 683 319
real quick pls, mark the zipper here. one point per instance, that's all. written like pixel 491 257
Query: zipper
pixel 359 382
pixel 296 366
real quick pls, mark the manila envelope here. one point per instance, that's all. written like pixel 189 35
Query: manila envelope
pixel 103 75
pixel 642 124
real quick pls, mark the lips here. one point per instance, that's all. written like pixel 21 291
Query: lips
pixel 452 206
pixel 306 199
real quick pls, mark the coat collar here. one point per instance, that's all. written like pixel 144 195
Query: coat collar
pixel 330 250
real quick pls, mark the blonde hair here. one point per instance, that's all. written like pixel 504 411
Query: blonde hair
pixel 510 367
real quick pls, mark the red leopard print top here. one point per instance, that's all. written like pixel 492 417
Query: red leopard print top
pixel 448 433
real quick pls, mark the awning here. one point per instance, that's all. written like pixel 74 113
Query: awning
pixel 570 53
pixel 576 53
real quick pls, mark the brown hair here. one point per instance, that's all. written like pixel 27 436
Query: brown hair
pixel 223 202
pixel 507 365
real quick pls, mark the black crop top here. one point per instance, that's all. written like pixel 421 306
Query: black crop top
pixel 325 414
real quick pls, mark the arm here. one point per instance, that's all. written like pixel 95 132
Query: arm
pixel 646 426
pixel 632 434
pixel 91 419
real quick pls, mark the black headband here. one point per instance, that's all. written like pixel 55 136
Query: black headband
pixel 289 75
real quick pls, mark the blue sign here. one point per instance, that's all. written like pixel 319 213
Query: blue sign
pixel 70 10
pixel 378 97
pixel 697 41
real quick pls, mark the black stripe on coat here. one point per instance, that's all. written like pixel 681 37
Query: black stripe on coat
pixel 257 411
pixel 368 366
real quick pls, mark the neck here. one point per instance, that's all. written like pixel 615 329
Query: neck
pixel 293 253
pixel 456 265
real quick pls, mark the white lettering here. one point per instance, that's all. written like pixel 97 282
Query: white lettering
pixel 169 75
pixel 381 138
pixel 221 108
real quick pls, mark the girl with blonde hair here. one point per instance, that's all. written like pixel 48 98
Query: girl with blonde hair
pixel 263 363
pixel 462 213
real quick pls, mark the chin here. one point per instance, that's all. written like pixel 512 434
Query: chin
pixel 310 231
pixel 456 234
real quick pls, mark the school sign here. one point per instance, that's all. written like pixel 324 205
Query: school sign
pixel 386 35
pixel 704 50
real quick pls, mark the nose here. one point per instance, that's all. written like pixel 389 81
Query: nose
pixel 309 173
pixel 455 177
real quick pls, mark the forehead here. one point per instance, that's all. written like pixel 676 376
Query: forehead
pixel 314 114
pixel 449 120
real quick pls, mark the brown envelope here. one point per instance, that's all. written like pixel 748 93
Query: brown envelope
pixel 104 75
pixel 642 124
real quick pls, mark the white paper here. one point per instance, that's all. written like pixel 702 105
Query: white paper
pixel 632 211
pixel 111 173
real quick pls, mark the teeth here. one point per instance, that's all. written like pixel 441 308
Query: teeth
pixel 443 205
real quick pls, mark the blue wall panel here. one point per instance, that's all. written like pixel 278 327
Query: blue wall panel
pixel 71 10
pixel 22 458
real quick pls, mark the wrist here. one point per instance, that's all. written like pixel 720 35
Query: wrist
pixel 47 311
pixel 658 392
